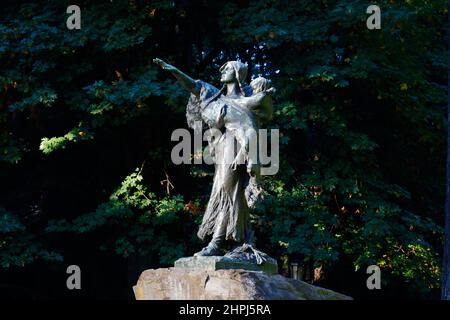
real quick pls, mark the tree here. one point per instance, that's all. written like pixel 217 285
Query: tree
pixel 446 266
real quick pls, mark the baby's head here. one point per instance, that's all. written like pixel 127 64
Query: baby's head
pixel 260 84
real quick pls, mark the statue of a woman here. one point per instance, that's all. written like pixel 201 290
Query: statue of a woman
pixel 227 212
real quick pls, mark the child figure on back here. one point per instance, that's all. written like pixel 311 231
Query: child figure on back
pixel 260 102
pixel 260 105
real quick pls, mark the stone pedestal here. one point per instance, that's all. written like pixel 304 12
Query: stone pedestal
pixel 270 266
pixel 226 284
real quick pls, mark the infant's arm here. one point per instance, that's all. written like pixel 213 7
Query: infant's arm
pixel 253 101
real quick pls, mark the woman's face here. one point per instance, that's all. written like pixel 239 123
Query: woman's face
pixel 228 74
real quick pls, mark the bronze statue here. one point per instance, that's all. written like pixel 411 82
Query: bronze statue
pixel 238 110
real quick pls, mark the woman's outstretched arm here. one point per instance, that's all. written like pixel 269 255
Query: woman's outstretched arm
pixel 186 81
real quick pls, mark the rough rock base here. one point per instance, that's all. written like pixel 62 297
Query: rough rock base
pixel 238 284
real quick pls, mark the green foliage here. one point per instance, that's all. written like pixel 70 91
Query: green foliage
pixel 77 134
pixel 145 221
pixel 348 98
pixel 19 247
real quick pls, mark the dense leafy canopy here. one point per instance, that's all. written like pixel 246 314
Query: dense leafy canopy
pixel 86 119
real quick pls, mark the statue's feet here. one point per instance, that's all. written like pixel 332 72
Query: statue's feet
pixel 210 250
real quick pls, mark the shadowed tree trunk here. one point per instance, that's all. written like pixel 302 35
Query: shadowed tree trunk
pixel 446 266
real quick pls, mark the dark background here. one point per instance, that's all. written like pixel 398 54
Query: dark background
pixel 86 119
